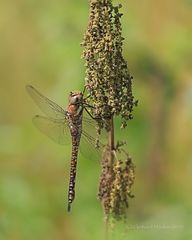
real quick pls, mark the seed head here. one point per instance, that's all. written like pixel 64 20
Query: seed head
pixel 107 76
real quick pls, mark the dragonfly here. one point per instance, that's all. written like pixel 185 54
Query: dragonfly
pixel 64 126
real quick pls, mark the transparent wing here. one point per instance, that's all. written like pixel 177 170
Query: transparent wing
pixel 50 108
pixel 89 128
pixel 56 129
pixel 88 148
pixel 89 125
pixel 88 138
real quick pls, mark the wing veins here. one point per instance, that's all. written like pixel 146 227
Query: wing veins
pixel 50 108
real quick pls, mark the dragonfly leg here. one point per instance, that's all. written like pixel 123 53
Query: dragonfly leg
pixel 95 118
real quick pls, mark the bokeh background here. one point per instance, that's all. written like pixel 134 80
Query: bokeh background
pixel 40 45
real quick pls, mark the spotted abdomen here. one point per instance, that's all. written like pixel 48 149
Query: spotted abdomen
pixel 71 193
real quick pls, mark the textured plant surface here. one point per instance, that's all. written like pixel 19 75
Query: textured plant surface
pixel 110 87
pixel 116 181
pixel 107 75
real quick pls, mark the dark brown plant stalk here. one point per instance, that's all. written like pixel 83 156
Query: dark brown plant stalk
pixel 110 88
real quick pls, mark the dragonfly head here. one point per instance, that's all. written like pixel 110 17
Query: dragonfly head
pixel 75 97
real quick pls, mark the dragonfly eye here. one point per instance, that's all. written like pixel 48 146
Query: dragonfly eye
pixel 75 99
pixel 79 98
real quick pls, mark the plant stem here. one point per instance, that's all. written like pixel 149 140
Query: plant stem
pixel 111 142
pixel 111 136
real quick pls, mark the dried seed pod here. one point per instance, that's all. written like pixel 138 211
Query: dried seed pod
pixel 110 88
pixel 106 70
pixel 115 185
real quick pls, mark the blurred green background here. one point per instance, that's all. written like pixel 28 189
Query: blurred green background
pixel 40 45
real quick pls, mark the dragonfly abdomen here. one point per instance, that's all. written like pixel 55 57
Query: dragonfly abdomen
pixel 75 146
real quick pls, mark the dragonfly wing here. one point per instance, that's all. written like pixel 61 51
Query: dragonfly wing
pixel 56 129
pixel 87 148
pixel 88 138
pixel 89 126
pixel 47 106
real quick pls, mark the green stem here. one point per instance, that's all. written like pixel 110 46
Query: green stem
pixel 111 136
pixel 111 142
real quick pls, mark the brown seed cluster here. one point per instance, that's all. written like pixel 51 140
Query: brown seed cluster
pixel 110 89
pixel 107 77
pixel 115 185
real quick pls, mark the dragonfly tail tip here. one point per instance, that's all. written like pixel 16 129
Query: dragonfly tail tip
pixel 69 207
